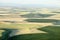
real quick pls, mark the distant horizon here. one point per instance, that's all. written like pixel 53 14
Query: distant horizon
pixel 31 3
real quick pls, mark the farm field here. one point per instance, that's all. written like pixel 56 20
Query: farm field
pixel 53 33
pixel 29 24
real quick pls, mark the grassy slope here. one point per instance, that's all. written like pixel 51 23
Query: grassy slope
pixel 17 26
pixel 14 26
pixel 53 33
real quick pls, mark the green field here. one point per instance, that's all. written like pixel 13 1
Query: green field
pixel 17 26
pixel 36 15
pixel 53 32
pixel 41 20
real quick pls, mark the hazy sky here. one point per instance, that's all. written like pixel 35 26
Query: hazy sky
pixel 37 2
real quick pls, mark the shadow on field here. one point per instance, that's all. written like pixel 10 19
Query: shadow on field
pixel 41 20
pixel 0 38
pixel 5 34
pixel 53 33
pixel 37 15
